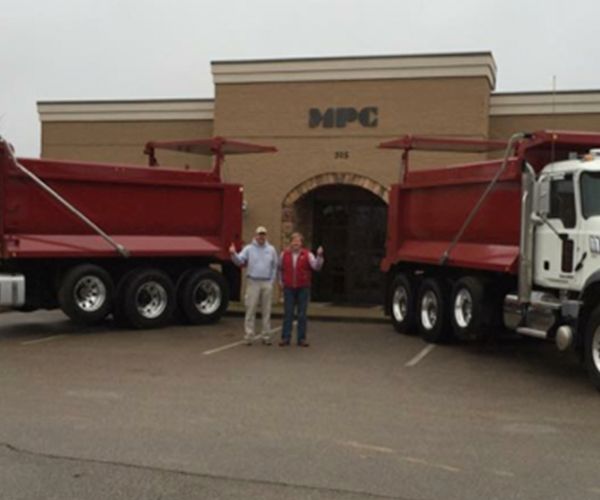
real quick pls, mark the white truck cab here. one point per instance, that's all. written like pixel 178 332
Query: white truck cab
pixel 567 245
pixel 559 265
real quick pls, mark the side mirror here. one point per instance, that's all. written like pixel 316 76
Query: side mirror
pixel 542 199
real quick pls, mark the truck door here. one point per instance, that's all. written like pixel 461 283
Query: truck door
pixel 555 258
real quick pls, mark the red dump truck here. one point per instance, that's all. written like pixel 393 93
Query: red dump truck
pixel 513 242
pixel 136 241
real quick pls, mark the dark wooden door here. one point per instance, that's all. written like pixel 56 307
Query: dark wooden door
pixel 351 227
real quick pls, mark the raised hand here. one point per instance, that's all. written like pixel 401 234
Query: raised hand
pixel 232 248
pixel 320 251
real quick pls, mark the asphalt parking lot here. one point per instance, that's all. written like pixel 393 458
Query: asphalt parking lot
pixel 190 412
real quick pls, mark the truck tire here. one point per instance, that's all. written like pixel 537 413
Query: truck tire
pixel 86 294
pixel 402 304
pixel 432 312
pixel 203 296
pixel 592 347
pixel 146 299
pixel 468 308
pixel 118 312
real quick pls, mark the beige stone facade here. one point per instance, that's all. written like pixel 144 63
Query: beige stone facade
pixel 276 111
pixel 537 110
pixel 326 117
pixel 117 132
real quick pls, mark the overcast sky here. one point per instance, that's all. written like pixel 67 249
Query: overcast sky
pixel 134 49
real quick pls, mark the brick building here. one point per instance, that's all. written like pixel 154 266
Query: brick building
pixel 326 117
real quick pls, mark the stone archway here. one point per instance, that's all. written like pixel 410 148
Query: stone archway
pixel 288 215
pixel 346 214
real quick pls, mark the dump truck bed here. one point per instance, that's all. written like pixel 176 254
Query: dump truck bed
pixel 150 211
pixel 429 208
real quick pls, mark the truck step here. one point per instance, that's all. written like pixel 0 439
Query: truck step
pixel 532 332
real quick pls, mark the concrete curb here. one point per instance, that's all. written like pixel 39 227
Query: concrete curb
pixel 355 315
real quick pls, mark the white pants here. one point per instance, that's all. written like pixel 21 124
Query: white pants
pixel 258 291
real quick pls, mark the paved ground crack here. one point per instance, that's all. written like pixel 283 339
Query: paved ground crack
pixel 52 456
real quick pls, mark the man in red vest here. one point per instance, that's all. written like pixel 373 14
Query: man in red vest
pixel 296 267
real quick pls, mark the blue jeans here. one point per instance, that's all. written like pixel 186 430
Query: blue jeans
pixel 295 299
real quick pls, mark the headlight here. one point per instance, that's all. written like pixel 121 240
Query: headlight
pixel 595 244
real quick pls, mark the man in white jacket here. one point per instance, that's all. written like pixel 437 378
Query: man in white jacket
pixel 261 261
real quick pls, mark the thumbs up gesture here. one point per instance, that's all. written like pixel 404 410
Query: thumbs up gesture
pixel 232 248
pixel 320 251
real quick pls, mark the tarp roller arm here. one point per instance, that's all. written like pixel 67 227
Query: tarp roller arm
pixel 42 185
pixel 218 147
pixel 514 139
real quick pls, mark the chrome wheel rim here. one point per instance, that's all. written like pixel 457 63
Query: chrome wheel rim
pixel 151 300
pixel 400 304
pixel 463 308
pixel 429 310
pixel 90 293
pixel 207 297
pixel 596 349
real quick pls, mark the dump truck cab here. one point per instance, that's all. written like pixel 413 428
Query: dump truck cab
pixel 567 236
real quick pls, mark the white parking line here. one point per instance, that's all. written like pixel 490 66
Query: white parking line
pixel 405 458
pixel 367 447
pixel 45 339
pixel 420 356
pixel 224 348
pixel 231 346
pixel 503 473
pixel 235 344
pixel 420 461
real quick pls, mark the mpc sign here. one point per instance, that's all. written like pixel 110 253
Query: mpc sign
pixel 340 117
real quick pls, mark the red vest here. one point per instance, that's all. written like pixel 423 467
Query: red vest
pixel 299 277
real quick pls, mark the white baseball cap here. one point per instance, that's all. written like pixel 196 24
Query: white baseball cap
pixel 261 230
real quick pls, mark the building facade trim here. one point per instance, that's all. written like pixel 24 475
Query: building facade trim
pixel 359 68
pixel 102 111
pixel 545 103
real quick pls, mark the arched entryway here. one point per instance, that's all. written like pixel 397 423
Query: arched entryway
pixel 348 219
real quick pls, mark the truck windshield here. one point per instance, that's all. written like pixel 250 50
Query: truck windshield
pixel 590 194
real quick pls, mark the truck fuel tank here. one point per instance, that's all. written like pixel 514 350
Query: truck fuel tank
pixel 12 290
pixel 540 314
